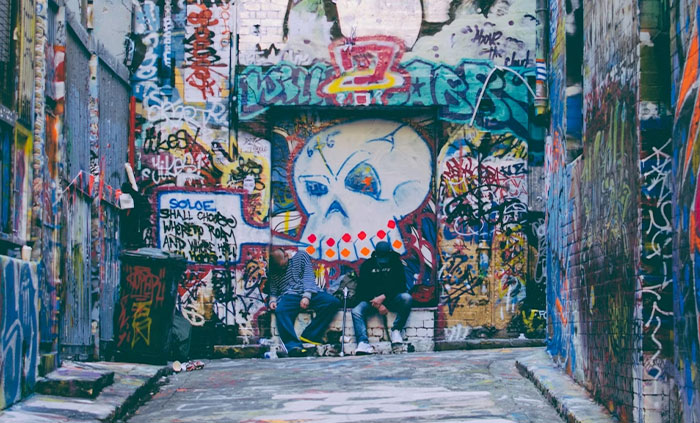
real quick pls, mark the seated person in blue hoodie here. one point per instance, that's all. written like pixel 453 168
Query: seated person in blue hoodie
pixel 381 288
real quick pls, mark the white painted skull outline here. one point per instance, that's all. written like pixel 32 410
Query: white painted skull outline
pixel 357 176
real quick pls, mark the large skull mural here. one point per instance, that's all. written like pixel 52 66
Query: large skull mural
pixel 356 181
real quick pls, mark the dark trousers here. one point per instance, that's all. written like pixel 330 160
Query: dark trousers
pixel 288 308
pixel 401 305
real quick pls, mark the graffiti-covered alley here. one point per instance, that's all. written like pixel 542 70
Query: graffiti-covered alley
pixel 170 169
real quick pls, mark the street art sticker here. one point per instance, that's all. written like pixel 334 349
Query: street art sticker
pixel 328 176
pixel 19 284
pixel 206 227
pixel 207 51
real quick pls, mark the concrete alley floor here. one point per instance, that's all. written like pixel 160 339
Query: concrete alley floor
pixel 463 386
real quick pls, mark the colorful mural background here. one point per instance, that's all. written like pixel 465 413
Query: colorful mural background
pixel 262 125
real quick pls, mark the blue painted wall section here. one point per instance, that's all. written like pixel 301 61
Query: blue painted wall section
pixel 19 285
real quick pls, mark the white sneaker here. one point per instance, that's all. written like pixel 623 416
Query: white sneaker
pixel 396 337
pixel 364 348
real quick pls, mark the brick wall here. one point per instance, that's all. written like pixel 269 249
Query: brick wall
pixel 419 333
pixel 593 219
pixel 621 225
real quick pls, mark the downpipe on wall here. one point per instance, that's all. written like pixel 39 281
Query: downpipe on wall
pixel 541 90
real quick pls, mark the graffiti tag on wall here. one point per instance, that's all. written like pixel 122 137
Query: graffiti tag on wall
pixel 19 284
pixel 455 88
pixel 205 227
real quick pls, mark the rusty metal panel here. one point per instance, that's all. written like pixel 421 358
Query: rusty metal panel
pixel 114 125
pixel 75 323
pixel 114 135
pixel 75 329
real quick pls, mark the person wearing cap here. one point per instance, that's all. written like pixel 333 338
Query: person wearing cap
pixel 292 289
pixel 381 288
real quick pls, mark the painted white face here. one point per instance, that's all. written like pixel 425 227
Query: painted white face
pixel 356 177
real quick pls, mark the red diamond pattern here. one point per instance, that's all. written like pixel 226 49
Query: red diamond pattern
pixel 391 224
pixel 381 234
pixel 312 238
pixel 362 235
pixel 347 237
pixel 330 242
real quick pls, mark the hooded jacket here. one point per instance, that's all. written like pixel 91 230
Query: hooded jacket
pixel 376 278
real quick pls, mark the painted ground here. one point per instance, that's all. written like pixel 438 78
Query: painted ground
pixel 464 386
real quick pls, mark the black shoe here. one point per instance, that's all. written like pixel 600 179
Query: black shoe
pixel 300 352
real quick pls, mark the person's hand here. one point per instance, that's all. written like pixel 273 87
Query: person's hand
pixel 383 310
pixel 273 305
pixel 304 303
pixel 377 301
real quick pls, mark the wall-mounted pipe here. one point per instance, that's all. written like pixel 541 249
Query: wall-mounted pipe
pixel 541 91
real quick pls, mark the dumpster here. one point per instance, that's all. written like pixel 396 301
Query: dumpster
pixel 143 316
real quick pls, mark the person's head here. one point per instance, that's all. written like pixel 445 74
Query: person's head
pixel 278 260
pixel 382 252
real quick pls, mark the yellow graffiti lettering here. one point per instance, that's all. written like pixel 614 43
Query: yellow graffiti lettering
pixel 141 323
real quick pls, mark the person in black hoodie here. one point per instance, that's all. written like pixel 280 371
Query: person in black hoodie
pixel 381 288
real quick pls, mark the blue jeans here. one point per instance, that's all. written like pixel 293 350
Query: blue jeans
pixel 401 305
pixel 288 308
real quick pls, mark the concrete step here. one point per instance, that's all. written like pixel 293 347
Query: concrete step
pixel 488 343
pixel 570 399
pixel 75 380
pixel 132 383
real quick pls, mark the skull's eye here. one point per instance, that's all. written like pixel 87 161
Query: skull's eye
pixel 363 178
pixel 316 188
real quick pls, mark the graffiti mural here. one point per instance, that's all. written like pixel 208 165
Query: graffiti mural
pixel 482 216
pixel 686 255
pixel 505 98
pixel 656 257
pixel 208 183
pixel 19 282
pixel 308 177
pixel 593 217
pixel 329 174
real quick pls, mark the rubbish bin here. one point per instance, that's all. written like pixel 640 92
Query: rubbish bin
pixel 144 314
